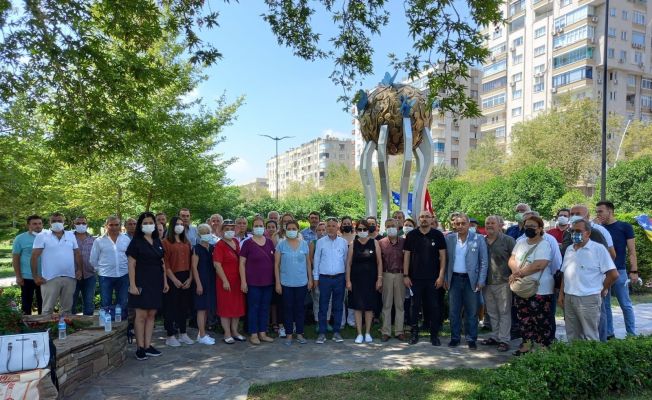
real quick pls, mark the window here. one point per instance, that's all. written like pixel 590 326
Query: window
pixel 631 80
pixel 516 111
pixel 623 55
pixel 564 3
pixel 498 32
pixel 572 76
pixel 517 59
pixel 612 96
pixel 539 32
pixel 625 15
pixel 517 93
pixel 494 84
pixel 573 16
pixel 638 39
pixel 539 85
pixel 538 106
pixel 646 83
pixel 539 68
pixel 500 132
pixel 494 68
pixel 638 57
pixel 539 51
pixel 517 77
pixel 611 52
pixel 581 33
pixel 441 147
pixel 493 101
pixel 582 53
pixel 623 35
pixel 517 42
pixel 516 7
pixel 638 18
pixel 517 24
pixel 342 146
pixel 496 50
pixel 612 11
pixel 612 32
pixel 646 103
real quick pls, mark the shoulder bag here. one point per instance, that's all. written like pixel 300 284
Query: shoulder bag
pixel 526 287
pixel 24 352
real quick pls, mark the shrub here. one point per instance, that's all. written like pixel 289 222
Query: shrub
pixel 643 246
pixel 581 370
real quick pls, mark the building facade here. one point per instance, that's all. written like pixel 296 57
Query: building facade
pixel 307 164
pixel 553 47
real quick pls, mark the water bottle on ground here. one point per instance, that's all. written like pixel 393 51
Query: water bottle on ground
pixel 102 316
pixel 62 328
pixel 107 322
pixel 118 313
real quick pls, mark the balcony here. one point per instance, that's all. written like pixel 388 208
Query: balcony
pixel 542 6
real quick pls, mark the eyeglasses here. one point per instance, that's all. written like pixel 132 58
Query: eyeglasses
pixel 362 230
pixel 577 231
pixel 530 226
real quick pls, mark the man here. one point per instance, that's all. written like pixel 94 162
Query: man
pixel 598 232
pixel 130 227
pixel 563 218
pixel 399 218
pixel 589 272
pixel 191 230
pixel 517 230
pixel 61 265
pixel 424 268
pixel 466 275
pixel 451 220
pixel 328 274
pixel 241 230
pixel 309 234
pixel 162 218
pixel 21 261
pixel 273 216
pixel 109 258
pixel 622 234
pixel 86 285
pixel 372 222
pixel 497 294
pixel 391 248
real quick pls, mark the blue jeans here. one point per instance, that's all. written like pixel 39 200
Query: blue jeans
pixel 87 289
pixel 294 311
pixel 462 296
pixel 259 299
pixel 621 290
pixel 331 287
pixel 119 285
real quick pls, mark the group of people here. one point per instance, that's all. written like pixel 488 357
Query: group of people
pixel 221 270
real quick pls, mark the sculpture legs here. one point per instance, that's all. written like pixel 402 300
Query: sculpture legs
pixel 407 164
pixel 367 177
pixel 424 155
pixel 384 176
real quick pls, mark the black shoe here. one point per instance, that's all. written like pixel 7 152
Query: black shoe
pixel 414 339
pixel 435 341
pixel 453 343
pixel 472 345
pixel 152 352
pixel 140 354
pixel 611 337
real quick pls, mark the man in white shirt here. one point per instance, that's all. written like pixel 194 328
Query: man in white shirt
pixel 328 273
pixel 61 265
pixel 589 272
pixel 109 258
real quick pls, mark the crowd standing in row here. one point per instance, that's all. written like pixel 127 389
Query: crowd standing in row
pixel 219 270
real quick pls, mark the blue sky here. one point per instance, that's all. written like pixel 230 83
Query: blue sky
pixel 285 96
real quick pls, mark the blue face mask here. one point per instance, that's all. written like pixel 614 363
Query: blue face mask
pixel 577 237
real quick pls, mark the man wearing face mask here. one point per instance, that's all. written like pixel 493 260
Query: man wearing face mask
pixel 598 233
pixel 399 217
pixel 589 272
pixel 373 227
pixel 516 231
pixel 86 285
pixel 391 249
pixel 563 219
pixel 22 255
pixel 61 265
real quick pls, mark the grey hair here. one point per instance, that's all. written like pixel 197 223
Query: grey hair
pixel 587 224
pixel 526 205
pixel 112 218
pixel 462 215
pixel 205 228
pixel 498 218
pixel 531 213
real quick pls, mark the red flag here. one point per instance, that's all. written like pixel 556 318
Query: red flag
pixel 427 203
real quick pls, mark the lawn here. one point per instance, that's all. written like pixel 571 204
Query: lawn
pixel 6 270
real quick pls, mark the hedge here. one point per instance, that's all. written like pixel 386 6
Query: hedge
pixel 581 370
pixel 643 246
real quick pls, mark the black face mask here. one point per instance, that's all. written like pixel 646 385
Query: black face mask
pixel 530 232
pixel 372 228
pixel 347 229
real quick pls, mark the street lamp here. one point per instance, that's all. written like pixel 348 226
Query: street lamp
pixel 276 139
pixel 603 166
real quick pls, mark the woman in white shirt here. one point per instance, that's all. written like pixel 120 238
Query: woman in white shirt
pixel 529 260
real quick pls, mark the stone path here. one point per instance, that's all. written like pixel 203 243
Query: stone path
pixel 226 371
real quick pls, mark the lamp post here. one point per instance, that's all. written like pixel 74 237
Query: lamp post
pixel 603 166
pixel 276 139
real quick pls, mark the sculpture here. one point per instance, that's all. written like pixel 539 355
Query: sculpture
pixel 391 116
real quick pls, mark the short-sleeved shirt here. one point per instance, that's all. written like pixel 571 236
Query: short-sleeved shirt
pixel 85 247
pixel 542 252
pixel 584 269
pixel 23 245
pixel 293 267
pixel 620 233
pixel 515 231
pixel 309 235
pixel 557 234
pixel 177 255
pixel 499 253
pixel 58 256
pixel 424 253
pixel 392 254
pixel 259 267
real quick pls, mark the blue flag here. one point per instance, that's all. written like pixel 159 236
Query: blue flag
pixel 396 199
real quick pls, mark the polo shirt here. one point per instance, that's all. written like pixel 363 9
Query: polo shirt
pixel 499 253
pixel 620 232
pixel 23 245
pixel 584 269
pixel 424 253
pixel 58 257
pixel 392 254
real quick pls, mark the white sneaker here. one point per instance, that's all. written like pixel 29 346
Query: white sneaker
pixel 358 339
pixel 183 338
pixel 207 337
pixel 207 340
pixel 172 342
pixel 368 338
pixel 281 332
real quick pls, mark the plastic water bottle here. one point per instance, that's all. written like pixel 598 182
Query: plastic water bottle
pixel 102 315
pixel 107 322
pixel 62 328
pixel 118 313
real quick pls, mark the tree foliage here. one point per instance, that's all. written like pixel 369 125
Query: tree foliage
pixel 637 141
pixel 629 185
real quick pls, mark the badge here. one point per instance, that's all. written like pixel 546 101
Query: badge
pixel 432 244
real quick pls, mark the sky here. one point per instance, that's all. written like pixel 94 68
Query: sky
pixel 284 95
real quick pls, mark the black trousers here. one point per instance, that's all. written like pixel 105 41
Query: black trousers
pixel 425 294
pixel 27 292
pixel 176 303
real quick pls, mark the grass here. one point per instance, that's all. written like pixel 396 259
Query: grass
pixel 6 270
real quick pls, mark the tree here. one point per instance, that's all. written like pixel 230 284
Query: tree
pixel 637 141
pixel 569 199
pixel 485 161
pixel 629 185
pixel 537 185
pixel 444 41
pixel 494 196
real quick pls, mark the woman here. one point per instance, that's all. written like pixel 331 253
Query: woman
pixel 257 277
pixel 204 276
pixel 230 300
pixel 277 300
pixel 347 229
pixel 364 277
pixel 271 231
pixel 177 302
pixel 529 260
pixel 293 271
pixel 408 225
pixel 147 282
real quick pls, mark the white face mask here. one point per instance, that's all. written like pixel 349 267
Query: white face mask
pixel 259 230
pixel 229 234
pixel 407 229
pixel 291 234
pixel 363 234
pixel 206 238
pixel 148 229
pixel 178 229
pixel 563 220
pixel 81 228
pixel 56 226
pixel 392 232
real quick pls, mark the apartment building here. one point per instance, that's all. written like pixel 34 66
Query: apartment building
pixel 552 47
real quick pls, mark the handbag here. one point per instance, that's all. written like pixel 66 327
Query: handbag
pixel 24 352
pixel 526 287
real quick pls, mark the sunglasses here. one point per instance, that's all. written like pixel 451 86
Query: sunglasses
pixel 530 226
pixel 362 230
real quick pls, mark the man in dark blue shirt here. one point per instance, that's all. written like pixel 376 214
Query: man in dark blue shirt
pixel 517 231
